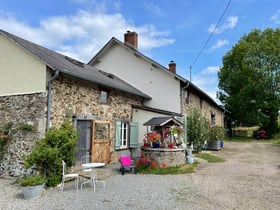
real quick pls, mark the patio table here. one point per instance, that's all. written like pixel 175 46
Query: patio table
pixel 93 178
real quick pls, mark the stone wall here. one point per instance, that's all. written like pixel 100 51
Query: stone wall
pixel 24 109
pixel 69 97
pixel 73 97
pixel 20 143
pixel 206 108
pixel 18 110
pixel 80 98
pixel 169 157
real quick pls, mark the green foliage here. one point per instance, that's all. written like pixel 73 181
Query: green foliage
pixel 32 181
pixel 47 156
pixel 26 127
pixel 210 158
pixel 5 132
pixel 249 79
pixel 6 129
pixel 216 132
pixel 197 128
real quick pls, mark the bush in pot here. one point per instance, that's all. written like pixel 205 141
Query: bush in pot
pixel 46 157
pixel 32 186
pixel 216 136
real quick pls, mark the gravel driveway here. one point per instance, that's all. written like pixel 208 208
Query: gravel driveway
pixel 249 179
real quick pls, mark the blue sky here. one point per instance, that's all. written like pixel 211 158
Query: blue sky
pixel 167 30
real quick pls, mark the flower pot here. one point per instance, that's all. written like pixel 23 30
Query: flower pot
pixel 31 192
pixel 213 144
pixel 146 144
pixel 190 159
pixel 170 146
pixel 156 144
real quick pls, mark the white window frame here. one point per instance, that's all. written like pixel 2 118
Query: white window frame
pixel 124 134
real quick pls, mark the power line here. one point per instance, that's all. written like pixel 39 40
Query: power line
pixel 210 36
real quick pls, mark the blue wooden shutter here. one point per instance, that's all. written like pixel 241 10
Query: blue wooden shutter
pixel 118 134
pixel 134 135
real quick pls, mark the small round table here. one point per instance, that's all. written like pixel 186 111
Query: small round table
pixel 93 178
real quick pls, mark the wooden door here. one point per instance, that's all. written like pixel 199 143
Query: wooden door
pixel 101 141
pixel 84 128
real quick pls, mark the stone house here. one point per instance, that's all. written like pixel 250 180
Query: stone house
pixel 109 99
pixel 41 87
pixel 172 95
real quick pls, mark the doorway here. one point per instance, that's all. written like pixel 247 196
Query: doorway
pixel 94 140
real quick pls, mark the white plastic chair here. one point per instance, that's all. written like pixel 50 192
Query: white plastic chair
pixel 85 159
pixel 68 176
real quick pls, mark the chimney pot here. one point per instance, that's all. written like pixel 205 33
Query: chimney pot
pixel 131 38
pixel 172 67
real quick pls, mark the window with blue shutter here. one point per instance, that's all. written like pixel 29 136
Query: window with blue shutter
pixel 134 135
pixel 117 135
pixel 126 135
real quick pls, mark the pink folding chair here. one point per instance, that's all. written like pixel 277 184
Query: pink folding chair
pixel 127 163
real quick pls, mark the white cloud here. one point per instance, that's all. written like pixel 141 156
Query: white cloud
pixel 207 80
pixel 220 43
pixel 230 23
pixel 154 9
pixel 83 34
pixel 276 18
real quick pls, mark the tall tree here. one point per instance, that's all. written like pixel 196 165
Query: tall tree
pixel 250 77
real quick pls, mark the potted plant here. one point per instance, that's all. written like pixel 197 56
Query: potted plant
pixel 32 186
pixel 154 138
pixel 216 136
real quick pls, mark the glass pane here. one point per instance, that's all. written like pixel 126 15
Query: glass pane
pixel 102 131
pixel 103 96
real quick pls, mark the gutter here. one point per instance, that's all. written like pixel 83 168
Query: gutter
pixel 56 73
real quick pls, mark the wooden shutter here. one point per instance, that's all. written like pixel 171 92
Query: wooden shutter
pixel 117 134
pixel 134 135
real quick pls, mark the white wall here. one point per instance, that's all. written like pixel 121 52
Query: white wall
pixel 160 85
pixel 20 72
pixel 142 116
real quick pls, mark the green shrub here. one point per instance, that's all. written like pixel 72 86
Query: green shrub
pixel 32 181
pixel 58 144
pixel 197 128
pixel 216 132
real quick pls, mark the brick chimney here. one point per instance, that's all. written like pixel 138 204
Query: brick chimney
pixel 172 67
pixel 131 38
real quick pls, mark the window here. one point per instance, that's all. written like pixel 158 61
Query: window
pixel 213 119
pixel 104 96
pixel 126 135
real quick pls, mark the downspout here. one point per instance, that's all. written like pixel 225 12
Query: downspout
pixel 185 116
pixel 56 73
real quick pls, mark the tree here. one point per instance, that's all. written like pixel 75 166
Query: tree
pixel 249 79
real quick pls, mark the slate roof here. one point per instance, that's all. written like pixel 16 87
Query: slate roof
pixel 72 67
pixel 161 121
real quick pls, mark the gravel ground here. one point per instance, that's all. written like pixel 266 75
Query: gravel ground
pixel 249 179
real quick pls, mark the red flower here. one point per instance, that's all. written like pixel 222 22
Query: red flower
pixel 153 137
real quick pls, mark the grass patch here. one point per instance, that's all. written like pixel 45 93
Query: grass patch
pixel 182 169
pixel 210 158
pixel 242 139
